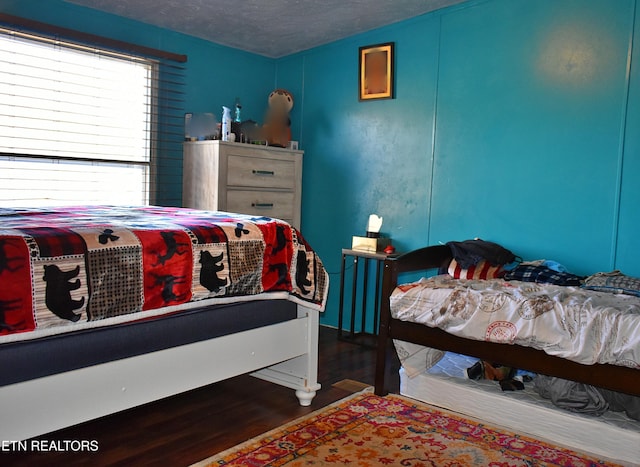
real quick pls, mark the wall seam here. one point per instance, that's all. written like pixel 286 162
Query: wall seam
pixel 302 91
pixel 623 135
pixel 434 128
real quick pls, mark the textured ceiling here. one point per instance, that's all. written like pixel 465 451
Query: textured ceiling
pixel 273 28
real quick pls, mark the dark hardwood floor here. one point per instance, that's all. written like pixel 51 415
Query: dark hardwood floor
pixel 190 427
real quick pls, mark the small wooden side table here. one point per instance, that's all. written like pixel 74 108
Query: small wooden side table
pixel 360 337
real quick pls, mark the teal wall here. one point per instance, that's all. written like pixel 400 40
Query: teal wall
pixel 540 99
pixel 627 243
pixel 516 121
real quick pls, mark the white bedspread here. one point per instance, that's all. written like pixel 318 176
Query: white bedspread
pixel 580 325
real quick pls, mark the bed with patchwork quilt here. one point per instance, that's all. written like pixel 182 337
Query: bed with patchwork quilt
pixel 132 304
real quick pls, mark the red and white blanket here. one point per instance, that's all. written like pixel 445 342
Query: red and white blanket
pixel 61 268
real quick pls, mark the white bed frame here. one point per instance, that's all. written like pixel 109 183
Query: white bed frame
pixel 284 353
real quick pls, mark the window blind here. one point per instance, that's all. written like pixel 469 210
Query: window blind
pixel 83 124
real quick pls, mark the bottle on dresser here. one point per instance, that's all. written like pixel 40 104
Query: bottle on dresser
pixel 226 123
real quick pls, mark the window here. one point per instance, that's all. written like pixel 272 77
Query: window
pixel 82 125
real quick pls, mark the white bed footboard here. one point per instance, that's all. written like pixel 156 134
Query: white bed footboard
pixel 39 406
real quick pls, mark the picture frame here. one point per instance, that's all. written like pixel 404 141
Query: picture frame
pixel 376 72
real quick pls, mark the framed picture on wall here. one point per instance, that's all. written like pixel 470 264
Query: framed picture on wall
pixel 375 77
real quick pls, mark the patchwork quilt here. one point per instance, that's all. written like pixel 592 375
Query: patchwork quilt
pixel 61 267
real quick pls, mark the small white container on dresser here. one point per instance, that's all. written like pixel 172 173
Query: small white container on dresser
pixel 243 178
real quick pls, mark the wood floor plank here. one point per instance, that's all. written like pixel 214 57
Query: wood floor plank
pixel 189 427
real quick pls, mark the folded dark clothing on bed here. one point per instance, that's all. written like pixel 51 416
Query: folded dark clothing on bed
pixel 542 275
pixel 470 252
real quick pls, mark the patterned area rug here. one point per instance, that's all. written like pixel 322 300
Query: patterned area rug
pixel 367 430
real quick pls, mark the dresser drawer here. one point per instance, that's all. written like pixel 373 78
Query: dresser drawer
pixel 243 178
pixel 262 203
pixel 260 172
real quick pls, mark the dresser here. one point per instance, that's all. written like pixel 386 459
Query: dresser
pixel 243 178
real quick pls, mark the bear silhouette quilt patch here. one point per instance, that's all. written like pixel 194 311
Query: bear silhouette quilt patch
pixel 62 267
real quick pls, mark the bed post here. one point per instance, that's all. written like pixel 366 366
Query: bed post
pixel 300 372
pixel 306 394
pixel 423 259
pixel 389 280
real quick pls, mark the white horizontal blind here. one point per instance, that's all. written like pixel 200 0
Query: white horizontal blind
pixel 80 125
pixel 26 181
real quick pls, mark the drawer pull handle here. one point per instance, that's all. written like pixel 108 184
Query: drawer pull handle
pixel 262 205
pixel 263 172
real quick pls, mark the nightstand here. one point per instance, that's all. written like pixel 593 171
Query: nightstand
pixel 362 334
